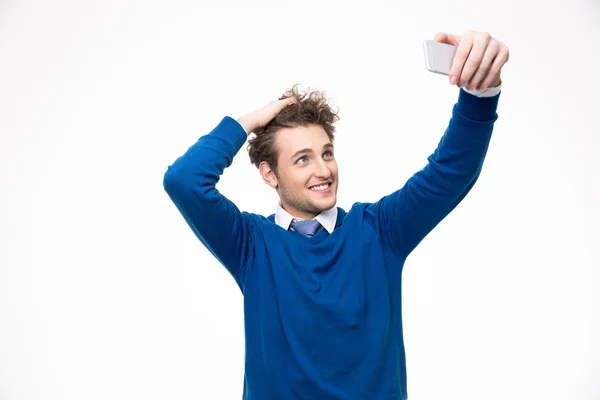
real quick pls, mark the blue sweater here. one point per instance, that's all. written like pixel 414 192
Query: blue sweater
pixel 323 314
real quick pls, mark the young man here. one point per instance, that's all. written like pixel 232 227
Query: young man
pixel 322 286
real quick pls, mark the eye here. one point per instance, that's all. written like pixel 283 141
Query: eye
pixel 328 154
pixel 302 160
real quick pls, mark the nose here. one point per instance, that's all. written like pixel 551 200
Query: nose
pixel 322 170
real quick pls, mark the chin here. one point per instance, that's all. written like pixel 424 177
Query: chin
pixel 324 201
pixel 326 204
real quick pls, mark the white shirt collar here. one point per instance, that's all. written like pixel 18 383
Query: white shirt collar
pixel 326 218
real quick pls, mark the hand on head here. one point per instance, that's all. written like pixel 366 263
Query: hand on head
pixel 260 118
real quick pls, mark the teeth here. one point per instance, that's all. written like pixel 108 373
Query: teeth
pixel 321 187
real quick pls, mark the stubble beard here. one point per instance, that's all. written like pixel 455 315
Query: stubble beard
pixel 299 203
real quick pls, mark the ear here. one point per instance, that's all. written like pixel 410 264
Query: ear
pixel 268 174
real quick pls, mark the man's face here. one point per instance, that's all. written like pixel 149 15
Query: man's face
pixel 307 173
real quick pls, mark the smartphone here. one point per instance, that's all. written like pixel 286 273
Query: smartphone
pixel 438 56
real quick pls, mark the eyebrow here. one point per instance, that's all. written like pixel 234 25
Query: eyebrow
pixel 309 151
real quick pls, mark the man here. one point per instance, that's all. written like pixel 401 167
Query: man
pixel 322 286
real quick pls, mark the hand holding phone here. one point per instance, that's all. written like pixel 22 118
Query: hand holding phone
pixel 473 60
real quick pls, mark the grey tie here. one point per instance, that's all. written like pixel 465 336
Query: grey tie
pixel 308 228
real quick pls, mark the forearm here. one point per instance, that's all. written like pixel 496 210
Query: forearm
pixel 202 165
pixel 409 214
pixel 247 123
pixel 458 159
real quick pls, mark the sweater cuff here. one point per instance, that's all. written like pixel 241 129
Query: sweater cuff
pixel 232 131
pixel 477 108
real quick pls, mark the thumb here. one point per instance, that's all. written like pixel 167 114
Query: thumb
pixel 447 38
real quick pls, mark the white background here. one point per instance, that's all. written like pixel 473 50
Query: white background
pixel 105 293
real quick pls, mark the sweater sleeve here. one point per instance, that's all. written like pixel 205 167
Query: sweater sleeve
pixel 406 216
pixel 191 184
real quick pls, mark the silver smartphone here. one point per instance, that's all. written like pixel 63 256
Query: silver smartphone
pixel 438 56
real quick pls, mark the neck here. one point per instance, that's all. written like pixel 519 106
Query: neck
pixel 298 214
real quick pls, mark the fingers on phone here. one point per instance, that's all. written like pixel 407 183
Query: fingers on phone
pixel 462 53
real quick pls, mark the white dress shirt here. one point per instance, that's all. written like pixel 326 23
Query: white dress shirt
pixel 326 218
pixel 487 92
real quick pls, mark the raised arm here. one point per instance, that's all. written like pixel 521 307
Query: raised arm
pixel 191 184
pixel 406 216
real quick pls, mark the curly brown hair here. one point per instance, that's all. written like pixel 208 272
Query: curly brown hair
pixel 310 108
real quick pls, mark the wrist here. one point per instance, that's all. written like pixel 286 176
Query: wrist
pixel 246 124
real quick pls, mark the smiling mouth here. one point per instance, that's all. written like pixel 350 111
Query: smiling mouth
pixel 320 188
